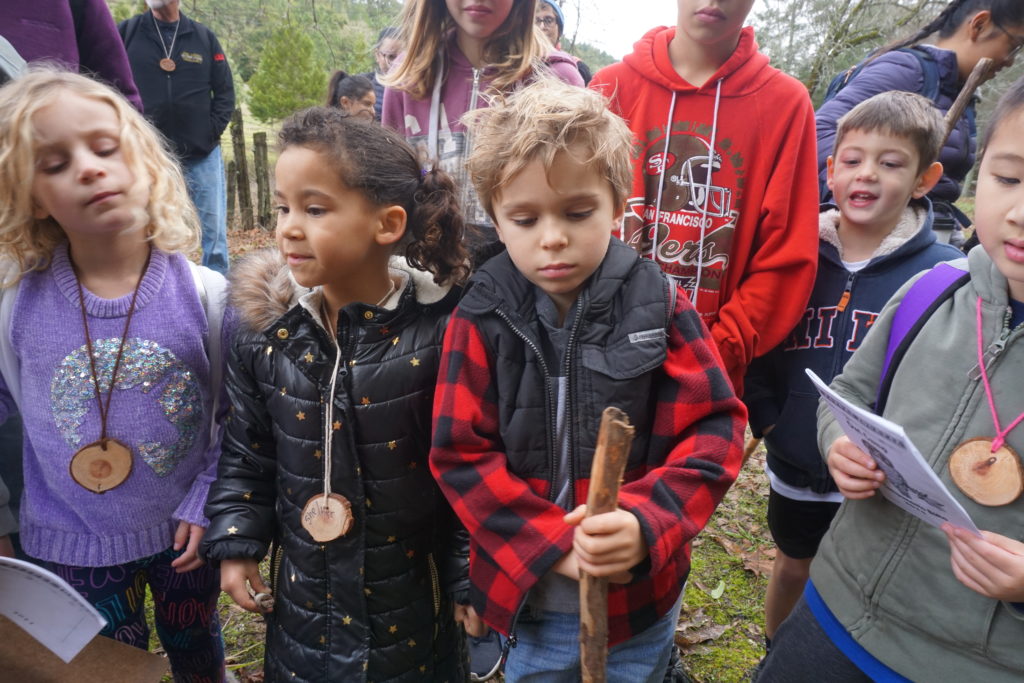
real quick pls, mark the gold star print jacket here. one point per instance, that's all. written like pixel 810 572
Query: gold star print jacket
pixel 373 604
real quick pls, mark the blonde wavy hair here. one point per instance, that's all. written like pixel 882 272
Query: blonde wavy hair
pixel 515 50
pixel 173 223
pixel 540 121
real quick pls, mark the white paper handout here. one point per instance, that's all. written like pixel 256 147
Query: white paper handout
pixel 47 608
pixel 910 483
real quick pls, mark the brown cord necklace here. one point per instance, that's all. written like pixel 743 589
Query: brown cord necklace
pixel 106 463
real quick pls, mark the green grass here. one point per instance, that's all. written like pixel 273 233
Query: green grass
pixel 722 621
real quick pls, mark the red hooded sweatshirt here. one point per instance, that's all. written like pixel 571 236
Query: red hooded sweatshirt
pixel 736 228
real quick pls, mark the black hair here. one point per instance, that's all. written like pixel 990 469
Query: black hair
pixel 343 85
pixel 1011 101
pixel 1004 13
pixel 381 165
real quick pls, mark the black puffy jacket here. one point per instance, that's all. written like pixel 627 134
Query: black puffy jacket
pixel 373 604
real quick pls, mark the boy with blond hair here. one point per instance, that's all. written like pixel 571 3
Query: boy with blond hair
pixel 876 237
pixel 566 322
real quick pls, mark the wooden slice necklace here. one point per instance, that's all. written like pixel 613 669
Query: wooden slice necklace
pixel 105 463
pixel 167 64
pixel 328 515
pixel 987 470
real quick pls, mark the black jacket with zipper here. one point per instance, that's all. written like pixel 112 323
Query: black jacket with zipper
pixel 373 604
pixel 191 105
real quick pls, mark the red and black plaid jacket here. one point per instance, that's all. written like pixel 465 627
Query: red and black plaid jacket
pixel 490 449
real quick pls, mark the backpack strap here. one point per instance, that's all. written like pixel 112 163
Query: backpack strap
pixel 929 70
pixel 673 292
pixel 212 289
pixel 11 63
pixel 9 365
pixel 128 28
pixel 921 300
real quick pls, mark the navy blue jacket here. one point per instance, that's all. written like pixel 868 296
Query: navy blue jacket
pixel 779 393
pixel 902 71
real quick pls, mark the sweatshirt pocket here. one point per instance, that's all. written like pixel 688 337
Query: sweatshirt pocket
pixel 794 442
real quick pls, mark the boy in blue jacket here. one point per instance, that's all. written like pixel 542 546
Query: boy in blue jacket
pixel 876 236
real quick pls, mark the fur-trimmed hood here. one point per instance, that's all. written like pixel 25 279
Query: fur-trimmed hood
pixel 911 222
pixel 263 289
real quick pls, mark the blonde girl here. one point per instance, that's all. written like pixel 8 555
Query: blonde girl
pixel 457 53
pixel 104 354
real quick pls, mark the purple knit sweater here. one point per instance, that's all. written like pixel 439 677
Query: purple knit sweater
pixel 160 408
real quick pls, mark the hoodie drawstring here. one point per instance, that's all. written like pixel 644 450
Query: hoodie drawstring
pixel 435 111
pixel 707 193
pixel 661 177
pixel 707 185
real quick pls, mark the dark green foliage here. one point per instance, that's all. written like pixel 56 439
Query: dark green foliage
pixel 593 57
pixel 290 76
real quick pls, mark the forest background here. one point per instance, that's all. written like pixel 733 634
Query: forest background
pixel 282 53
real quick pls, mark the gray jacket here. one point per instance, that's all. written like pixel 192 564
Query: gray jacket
pixel 886 575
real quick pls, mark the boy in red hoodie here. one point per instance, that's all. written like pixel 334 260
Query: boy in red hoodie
pixel 726 202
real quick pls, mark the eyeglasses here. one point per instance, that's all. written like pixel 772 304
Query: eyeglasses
pixel 545 21
pixel 387 56
pixel 1016 40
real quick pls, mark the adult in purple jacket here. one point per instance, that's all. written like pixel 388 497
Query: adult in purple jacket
pixel 967 31
pixel 78 34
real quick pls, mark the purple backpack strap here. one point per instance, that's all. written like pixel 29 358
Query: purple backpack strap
pixel 921 300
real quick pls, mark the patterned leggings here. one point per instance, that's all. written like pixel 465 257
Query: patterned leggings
pixel 185 610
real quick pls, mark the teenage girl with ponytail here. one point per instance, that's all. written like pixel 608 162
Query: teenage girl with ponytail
pixel 966 31
pixel 331 382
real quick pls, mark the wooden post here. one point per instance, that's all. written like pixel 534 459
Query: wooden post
pixel 262 172
pixel 232 180
pixel 613 442
pixel 242 169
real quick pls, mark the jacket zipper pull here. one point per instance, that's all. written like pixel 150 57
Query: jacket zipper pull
pixel 843 301
pixel 993 350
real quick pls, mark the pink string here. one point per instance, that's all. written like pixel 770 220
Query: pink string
pixel 1000 439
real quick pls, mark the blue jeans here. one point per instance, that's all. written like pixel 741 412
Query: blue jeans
pixel 548 650
pixel 206 186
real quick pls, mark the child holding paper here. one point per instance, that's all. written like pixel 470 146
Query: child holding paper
pixel 891 597
pixel 876 236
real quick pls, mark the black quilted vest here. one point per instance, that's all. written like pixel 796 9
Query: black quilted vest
pixel 617 346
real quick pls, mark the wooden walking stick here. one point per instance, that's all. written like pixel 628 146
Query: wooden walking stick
pixel 613 442
pixel 982 71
